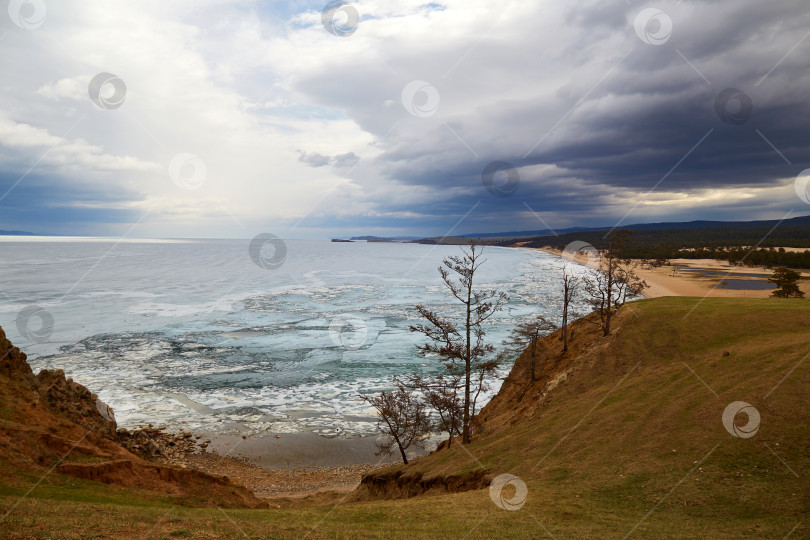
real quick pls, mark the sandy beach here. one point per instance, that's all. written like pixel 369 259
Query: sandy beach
pixel 701 277
pixel 276 466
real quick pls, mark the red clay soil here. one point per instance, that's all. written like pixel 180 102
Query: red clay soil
pixel 48 421
pixel 521 397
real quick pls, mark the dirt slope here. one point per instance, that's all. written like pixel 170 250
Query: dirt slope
pixel 49 423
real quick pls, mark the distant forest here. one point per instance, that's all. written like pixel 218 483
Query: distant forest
pixel 733 244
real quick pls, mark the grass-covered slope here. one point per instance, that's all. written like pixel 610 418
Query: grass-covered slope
pixel 623 436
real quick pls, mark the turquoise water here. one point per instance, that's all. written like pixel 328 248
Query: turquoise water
pixel 197 332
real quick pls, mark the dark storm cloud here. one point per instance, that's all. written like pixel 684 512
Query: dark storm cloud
pixel 40 205
pixel 615 113
pixel 314 159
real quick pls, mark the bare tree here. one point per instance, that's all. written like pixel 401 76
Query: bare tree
pixel 616 280
pixel 526 336
pixel 462 348
pixel 486 370
pixel 571 285
pixel 402 417
pixel 443 395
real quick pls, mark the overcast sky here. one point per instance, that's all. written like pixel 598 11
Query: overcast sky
pixel 228 118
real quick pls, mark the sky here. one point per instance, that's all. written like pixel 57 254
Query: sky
pixel 231 118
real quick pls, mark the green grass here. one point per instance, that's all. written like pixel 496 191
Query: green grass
pixel 604 457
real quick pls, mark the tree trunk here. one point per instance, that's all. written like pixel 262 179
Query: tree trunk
pixel 401 451
pixel 565 320
pixel 465 432
pixel 609 311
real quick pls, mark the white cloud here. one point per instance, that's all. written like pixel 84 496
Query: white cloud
pixel 61 153
pixel 74 88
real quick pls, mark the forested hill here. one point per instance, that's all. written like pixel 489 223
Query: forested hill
pixel 732 241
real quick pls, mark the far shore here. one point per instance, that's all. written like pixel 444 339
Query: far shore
pixel 689 281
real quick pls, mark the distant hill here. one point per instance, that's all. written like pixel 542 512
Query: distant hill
pixel 16 233
pixel 754 242
pixel 385 238
pixel 668 225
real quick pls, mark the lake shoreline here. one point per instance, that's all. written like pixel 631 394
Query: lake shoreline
pixel 689 281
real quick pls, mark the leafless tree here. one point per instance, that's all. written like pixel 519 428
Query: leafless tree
pixel 571 285
pixel 443 395
pixel 616 280
pixel 462 348
pixel 526 336
pixel 484 372
pixel 652 264
pixel 402 417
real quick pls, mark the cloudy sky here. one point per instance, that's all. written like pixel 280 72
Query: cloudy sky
pixel 227 118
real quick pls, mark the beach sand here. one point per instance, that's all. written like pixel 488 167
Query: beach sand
pixel 291 451
pixel 689 281
pixel 664 281
pixel 288 465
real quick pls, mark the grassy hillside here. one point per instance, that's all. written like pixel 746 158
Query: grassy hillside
pixel 622 437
